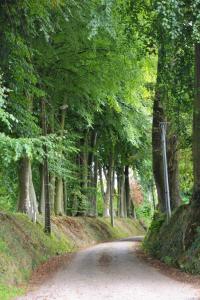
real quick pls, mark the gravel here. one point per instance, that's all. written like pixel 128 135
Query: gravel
pixel 111 271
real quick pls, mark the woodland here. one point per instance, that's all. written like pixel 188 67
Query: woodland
pixel 84 87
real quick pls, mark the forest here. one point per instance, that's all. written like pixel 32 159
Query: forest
pixel 100 116
pixel 76 102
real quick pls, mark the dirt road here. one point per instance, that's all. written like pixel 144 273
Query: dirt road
pixel 111 271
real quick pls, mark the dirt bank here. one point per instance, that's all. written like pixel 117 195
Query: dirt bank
pixel 24 246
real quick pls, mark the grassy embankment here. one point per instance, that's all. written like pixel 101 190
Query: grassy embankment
pixel 176 243
pixel 24 245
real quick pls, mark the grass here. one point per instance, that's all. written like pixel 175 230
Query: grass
pixel 9 292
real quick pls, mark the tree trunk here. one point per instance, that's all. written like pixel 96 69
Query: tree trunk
pixel 65 196
pixel 106 213
pixel 122 212
pixel 127 191
pixel 158 116
pixel 24 199
pixel 85 165
pixel 112 194
pixel 52 186
pixel 92 174
pixel 101 183
pixel 83 201
pixel 173 171
pixel 34 204
pixel 118 194
pixel 172 153
pixel 94 212
pixel 47 225
pixel 52 177
pixel 153 196
pixel 196 129
pixel 27 197
pixel 42 191
pixel 59 201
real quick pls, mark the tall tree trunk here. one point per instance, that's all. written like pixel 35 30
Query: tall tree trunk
pixel 108 176
pixel 27 197
pixel 158 116
pixel 47 225
pixel 160 100
pixel 101 183
pixel 112 187
pixel 127 191
pixel 42 191
pixel 153 196
pixel 85 165
pixel 52 186
pixel 173 171
pixel 194 211
pixel 52 177
pixel 59 201
pixel 122 212
pixel 92 174
pixel 106 212
pixel 65 196
pixel 83 201
pixel 196 129
pixel 24 199
pixel 118 193
pixel 94 212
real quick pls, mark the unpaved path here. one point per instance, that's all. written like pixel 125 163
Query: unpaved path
pixel 111 271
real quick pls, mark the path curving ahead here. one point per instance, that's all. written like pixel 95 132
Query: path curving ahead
pixel 111 271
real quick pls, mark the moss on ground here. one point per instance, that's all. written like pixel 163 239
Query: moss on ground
pixel 24 245
pixel 176 243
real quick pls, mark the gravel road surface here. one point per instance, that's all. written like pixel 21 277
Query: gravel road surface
pixel 111 271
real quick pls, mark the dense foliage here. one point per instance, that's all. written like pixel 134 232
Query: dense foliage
pixel 81 86
pixel 76 92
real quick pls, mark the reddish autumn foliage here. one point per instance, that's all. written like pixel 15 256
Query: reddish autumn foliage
pixel 136 192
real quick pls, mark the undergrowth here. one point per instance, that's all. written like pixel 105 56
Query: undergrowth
pixel 176 243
